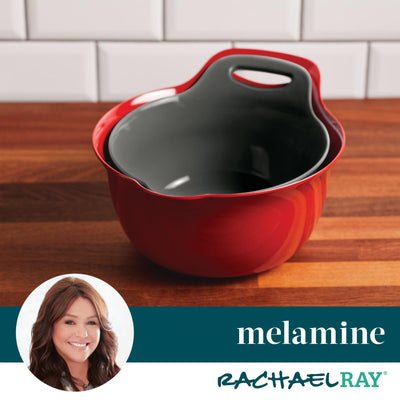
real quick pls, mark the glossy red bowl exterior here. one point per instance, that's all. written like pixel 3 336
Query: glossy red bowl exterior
pixel 220 235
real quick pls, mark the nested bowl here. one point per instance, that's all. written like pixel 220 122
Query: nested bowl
pixel 223 135
pixel 219 177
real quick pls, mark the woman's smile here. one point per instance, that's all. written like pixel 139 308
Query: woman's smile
pixel 79 345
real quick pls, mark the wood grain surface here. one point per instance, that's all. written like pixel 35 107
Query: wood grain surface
pixel 56 217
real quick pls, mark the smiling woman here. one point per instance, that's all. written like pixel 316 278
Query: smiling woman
pixel 73 347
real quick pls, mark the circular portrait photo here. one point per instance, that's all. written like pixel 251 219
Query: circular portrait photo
pixel 74 332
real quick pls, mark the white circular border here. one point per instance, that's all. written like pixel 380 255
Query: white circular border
pixel 119 316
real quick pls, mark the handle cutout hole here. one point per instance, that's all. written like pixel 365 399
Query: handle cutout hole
pixel 261 78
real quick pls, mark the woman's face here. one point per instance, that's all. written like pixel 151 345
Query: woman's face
pixel 77 334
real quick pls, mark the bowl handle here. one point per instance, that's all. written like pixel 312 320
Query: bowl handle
pixel 218 81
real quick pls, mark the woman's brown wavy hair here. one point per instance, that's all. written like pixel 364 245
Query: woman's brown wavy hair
pixel 45 363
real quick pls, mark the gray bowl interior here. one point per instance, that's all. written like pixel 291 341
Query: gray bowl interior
pixel 223 135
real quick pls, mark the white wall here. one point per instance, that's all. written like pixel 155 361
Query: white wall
pixel 111 50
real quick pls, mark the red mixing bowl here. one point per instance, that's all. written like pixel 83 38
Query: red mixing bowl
pixel 226 234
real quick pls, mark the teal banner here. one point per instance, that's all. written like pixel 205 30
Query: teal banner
pixel 266 334
pixel 251 334
pixel 8 342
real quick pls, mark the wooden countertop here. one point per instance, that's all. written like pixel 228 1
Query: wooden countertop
pixel 56 217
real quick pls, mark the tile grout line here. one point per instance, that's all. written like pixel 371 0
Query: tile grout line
pixel 163 22
pixel 194 41
pixel 367 69
pixel 301 21
pixel 26 19
pixel 97 64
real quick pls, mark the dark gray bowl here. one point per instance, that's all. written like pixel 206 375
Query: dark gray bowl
pixel 223 135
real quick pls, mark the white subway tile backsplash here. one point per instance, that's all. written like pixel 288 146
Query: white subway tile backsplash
pixel 110 50
pixel 95 19
pixel 342 65
pixel 384 80
pixel 351 19
pixel 129 69
pixel 12 19
pixel 47 71
pixel 233 19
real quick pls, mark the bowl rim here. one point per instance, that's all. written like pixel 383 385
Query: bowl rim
pixel 107 122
